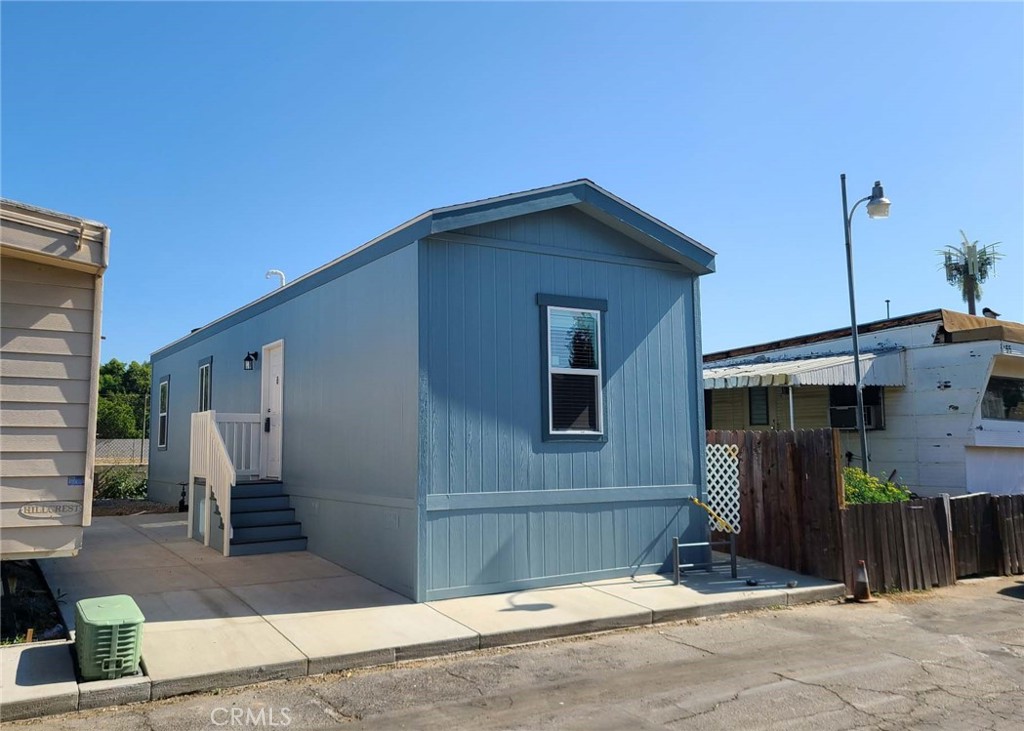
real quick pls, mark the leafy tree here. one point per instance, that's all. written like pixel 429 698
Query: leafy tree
pixel 115 418
pixel 123 386
pixel 969 265
pixel 137 377
pixel 112 377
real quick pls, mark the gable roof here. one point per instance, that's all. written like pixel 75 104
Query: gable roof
pixel 590 198
pixel 584 195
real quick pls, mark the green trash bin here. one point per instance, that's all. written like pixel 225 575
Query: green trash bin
pixel 108 637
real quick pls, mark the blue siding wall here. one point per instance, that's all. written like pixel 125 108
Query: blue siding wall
pixel 350 416
pixel 502 508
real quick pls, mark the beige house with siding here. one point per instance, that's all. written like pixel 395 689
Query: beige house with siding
pixel 51 293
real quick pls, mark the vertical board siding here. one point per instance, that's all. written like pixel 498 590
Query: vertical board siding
pixel 482 328
pixel 350 422
pixel 484 361
pixel 563 228
pixel 534 546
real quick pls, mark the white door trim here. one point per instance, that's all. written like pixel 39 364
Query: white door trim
pixel 264 390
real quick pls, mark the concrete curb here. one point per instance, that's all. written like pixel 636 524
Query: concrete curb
pixel 229 679
pixel 811 594
pixel 535 634
pixel 119 692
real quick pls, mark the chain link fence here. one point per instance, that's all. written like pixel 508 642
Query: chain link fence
pixel 111 452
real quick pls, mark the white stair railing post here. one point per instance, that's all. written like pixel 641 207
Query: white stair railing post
pixel 208 513
pixel 219 459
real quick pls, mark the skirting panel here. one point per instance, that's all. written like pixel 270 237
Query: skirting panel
pixel 483 550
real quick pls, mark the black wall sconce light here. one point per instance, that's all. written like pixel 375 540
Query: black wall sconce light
pixel 249 360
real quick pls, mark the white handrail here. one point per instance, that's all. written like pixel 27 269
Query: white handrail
pixel 241 434
pixel 209 460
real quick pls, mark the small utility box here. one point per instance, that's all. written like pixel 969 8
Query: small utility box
pixel 108 637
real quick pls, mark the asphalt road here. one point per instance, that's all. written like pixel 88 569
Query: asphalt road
pixel 949 659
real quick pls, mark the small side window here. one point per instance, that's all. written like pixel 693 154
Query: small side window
pixel 163 405
pixel 758 396
pixel 206 384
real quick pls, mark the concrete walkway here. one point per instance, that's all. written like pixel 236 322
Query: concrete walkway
pixel 215 622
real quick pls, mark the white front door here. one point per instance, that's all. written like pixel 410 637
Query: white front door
pixel 272 408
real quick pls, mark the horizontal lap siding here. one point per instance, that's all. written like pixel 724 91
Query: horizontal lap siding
pixel 484 423
pixel 46 319
pixel 30 542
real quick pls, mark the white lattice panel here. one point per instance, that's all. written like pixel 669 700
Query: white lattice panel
pixel 724 482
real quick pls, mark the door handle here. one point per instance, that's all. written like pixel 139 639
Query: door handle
pixel 266 424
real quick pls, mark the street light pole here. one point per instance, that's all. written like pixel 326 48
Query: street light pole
pixel 878 207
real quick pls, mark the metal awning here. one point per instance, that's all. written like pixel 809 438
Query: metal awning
pixel 877 369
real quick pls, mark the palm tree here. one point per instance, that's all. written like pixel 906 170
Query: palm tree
pixel 969 265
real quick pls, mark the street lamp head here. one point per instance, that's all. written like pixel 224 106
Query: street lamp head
pixel 878 206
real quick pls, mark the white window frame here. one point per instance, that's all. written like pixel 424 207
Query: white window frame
pixel 596 314
pixel 163 407
pixel 206 394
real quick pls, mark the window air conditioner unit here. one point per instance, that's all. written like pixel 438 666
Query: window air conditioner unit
pixel 845 417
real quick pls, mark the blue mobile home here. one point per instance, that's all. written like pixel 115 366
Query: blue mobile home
pixel 495 395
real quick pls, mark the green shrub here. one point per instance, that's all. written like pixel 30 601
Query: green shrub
pixel 120 483
pixel 860 488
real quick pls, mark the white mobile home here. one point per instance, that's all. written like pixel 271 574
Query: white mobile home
pixel 51 291
pixel 943 396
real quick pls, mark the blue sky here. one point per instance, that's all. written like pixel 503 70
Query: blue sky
pixel 221 140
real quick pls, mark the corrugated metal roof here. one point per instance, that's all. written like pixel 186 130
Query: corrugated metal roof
pixel 877 369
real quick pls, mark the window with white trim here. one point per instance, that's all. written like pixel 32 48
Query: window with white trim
pixel 574 376
pixel 163 403
pixel 205 384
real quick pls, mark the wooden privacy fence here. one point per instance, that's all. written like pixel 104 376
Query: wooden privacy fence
pixel 988 534
pixel 793 515
pixel 790 498
pixel 905 546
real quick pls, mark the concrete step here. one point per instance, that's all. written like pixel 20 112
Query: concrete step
pixel 257 489
pixel 266 532
pixel 253 504
pixel 284 545
pixel 262 517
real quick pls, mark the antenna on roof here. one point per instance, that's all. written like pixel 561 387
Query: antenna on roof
pixel 276 273
pixel 887 309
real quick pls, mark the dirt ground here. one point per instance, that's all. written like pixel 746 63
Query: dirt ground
pixel 102 508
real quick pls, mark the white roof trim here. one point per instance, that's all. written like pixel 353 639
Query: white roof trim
pixel 877 369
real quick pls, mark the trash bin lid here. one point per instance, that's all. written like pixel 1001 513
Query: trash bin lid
pixel 109 610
